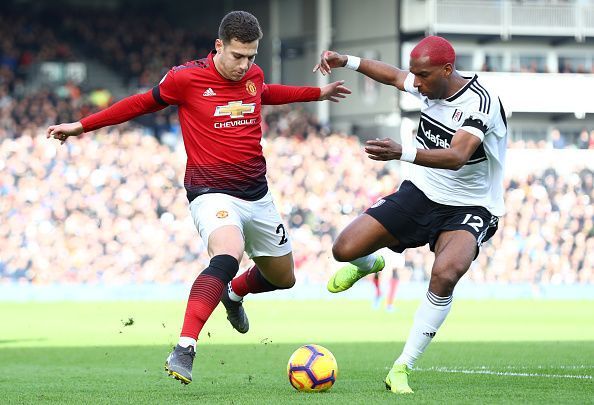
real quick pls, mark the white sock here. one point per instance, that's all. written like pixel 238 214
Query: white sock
pixel 429 317
pixel 365 263
pixel 232 295
pixel 185 341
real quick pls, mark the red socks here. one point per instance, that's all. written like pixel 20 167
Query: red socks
pixel 206 293
pixel 251 281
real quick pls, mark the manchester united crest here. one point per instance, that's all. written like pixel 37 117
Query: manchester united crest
pixel 251 88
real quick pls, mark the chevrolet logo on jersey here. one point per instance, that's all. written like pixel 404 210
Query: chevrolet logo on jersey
pixel 234 109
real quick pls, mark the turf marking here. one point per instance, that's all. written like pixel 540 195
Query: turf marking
pixel 484 370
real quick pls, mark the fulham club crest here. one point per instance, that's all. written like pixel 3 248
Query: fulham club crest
pixel 457 115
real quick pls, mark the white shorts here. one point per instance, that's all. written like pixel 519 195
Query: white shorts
pixel 263 231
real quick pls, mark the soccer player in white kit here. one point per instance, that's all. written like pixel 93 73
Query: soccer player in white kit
pixel 454 196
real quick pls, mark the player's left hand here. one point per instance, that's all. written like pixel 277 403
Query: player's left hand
pixel 383 149
pixel 62 131
pixel 334 91
pixel 329 60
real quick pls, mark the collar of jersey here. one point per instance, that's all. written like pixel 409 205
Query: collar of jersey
pixel 463 89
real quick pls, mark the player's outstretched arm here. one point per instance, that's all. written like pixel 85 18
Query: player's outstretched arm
pixel 122 111
pixel 378 71
pixel 274 94
pixel 61 132
pixel 334 91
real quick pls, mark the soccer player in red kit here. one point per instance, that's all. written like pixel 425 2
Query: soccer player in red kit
pixel 219 100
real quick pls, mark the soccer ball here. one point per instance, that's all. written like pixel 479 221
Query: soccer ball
pixel 312 368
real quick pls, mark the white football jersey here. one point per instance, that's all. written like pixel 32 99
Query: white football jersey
pixel 478 111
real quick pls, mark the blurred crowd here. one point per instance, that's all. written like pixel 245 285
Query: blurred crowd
pixel 557 139
pixel 110 208
pixel 141 50
pixel 547 232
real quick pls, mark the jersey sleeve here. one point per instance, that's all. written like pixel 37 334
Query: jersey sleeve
pixel 409 86
pixel 168 91
pixel 477 121
pixel 273 94
pixel 122 111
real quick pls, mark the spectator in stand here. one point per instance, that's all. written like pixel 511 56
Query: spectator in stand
pixel 557 139
pixel 584 139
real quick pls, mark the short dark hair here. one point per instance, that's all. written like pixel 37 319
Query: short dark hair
pixel 240 25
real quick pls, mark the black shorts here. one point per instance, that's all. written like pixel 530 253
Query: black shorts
pixel 415 220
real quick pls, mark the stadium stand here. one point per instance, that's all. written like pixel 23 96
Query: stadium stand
pixel 110 208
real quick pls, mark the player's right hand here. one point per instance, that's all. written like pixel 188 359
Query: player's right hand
pixel 329 60
pixel 61 132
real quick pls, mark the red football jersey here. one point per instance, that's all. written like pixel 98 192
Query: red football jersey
pixel 220 122
pixel 221 126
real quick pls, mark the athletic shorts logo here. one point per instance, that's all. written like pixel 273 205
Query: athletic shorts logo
pixel 378 203
pixel 251 88
pixel 222 214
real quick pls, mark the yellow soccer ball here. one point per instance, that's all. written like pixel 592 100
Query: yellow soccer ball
pixel 312 368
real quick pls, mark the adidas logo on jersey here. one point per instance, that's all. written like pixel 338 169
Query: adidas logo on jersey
pixel 209 92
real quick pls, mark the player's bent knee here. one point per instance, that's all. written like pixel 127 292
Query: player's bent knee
pixel 289 283
pixel 281 280
pixel 284 283
pixel 342 251
pixel 445 279
pixel 339 253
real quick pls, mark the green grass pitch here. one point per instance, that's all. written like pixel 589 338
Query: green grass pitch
pixel 487 352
